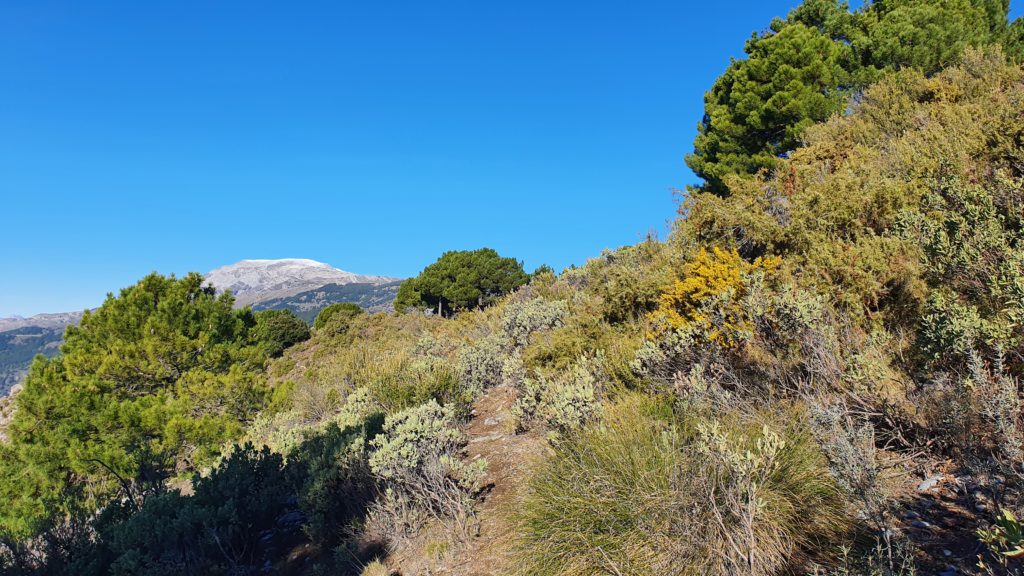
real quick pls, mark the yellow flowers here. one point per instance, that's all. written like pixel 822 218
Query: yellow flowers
pixel 708 295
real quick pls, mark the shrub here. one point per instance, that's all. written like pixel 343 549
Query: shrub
pixel 769 490
pixel 641 492
pixel 850 449
pixel 482 365
pixel 709 295
pixel 663 361
pixel 417 460
pixel 971 236
pixel 277 330
pixel 976 414
pixel 583 333
pixel 764 342
pixel 565 402
pixel 332 473
pixel 629 280
pixel 522 319
pixel 1005 543
pixel 315 401
pixel 602 503
pixel 216 529
pixel 336 318
pixel 375 568
pixel 416 381
pixel 358 406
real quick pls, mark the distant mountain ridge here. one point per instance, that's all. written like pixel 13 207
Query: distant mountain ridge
pixel 300 285
pixel 253 281
pixel 56 320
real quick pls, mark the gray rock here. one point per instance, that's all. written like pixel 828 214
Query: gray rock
pixel 929 483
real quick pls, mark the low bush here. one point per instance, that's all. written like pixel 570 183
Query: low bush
pixel 644 492
pixel 215 530
pixel 375 568
pixel 417 459
pixel 709 295
pixel 628 281
pixel 336 318
pixel 521 319
pixel 976 413
pixel 481 365
pixel 1004 541
pixel 585 334
pixel 277 330
pixel 564 402
pixel 333 479
pixel 422 380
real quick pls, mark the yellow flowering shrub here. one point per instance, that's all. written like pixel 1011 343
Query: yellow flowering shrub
pixel 708 296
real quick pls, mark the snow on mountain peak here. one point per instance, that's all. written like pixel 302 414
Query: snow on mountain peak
pixel 256 280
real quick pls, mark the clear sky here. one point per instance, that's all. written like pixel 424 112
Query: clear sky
pixel 179 136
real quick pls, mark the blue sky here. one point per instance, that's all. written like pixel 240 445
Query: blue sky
pixel 142 136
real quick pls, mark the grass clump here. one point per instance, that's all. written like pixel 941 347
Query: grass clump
pixel 646 492
pixel 375 568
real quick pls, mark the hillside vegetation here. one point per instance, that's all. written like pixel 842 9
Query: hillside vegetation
pixel 817 372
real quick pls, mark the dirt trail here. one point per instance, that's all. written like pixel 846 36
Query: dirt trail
pixel 508 457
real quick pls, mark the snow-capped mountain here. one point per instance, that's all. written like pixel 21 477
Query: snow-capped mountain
pixel 254 281
pixel 302 286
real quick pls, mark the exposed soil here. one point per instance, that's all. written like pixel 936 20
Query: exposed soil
pixel 942 510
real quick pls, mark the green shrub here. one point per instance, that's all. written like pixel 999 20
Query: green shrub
pixel 277 330
pixel 336 318
pixel 1004 541
pixel 419 381
pixel 375 568
pixel 216 529
pixel 584 333
pixel 332 473
pixel 628 281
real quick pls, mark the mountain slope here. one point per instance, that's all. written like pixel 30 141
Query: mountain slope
pixel 254 281
pixel 306 305
pixel 19 346
pixel 21 339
